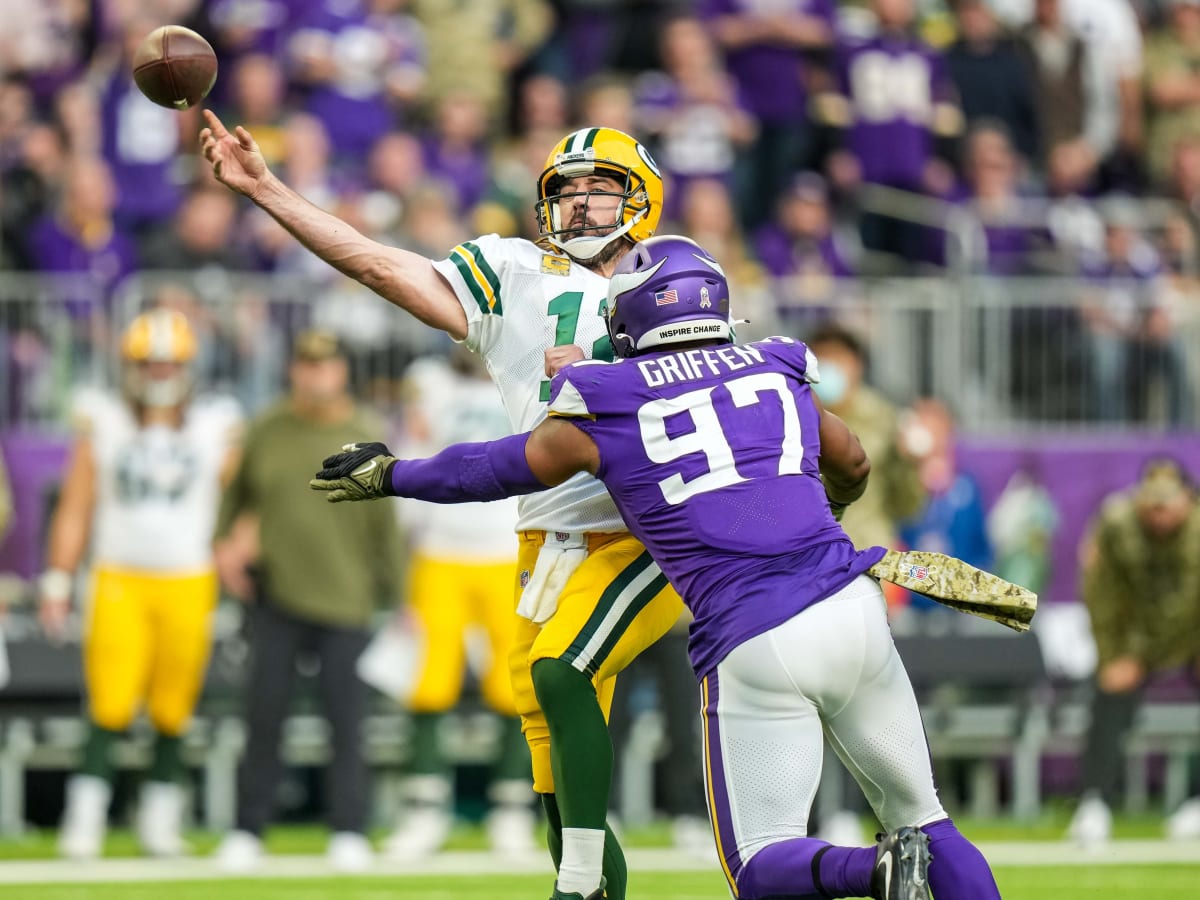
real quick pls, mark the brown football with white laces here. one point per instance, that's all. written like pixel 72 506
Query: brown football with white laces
pixel 175 67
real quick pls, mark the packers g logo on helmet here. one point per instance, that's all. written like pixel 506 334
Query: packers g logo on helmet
pixel 158 336
pixel 614 154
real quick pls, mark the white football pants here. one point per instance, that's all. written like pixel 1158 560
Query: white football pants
pixel 831 672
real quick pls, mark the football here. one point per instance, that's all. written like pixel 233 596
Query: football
pixel 175 67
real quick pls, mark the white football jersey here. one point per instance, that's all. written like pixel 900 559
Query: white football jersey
pixel 458 409
pixel 157 488
pixel 520 301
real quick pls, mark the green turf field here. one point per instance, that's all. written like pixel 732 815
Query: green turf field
pixel 1068 883
pixel 1097 881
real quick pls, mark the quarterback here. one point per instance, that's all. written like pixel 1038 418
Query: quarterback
pixel 726 467
pixel 590 598
pixel 142 488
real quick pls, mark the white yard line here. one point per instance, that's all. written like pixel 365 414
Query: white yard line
pixel 1022 853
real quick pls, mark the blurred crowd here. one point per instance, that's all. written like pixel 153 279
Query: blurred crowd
pixel 806 143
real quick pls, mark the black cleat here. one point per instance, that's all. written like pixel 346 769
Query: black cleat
pixel 597 894
pixel 901 866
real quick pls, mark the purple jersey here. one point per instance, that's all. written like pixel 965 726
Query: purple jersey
pixel 770 75
pixel 366 50
pixel 141 144
pixel 893 84
pixel 711 457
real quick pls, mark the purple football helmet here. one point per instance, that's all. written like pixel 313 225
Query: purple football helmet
pixel 666 290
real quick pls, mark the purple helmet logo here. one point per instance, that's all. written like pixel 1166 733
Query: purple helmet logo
pixel 667 290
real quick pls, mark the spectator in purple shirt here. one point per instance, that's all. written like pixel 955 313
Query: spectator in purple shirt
pixel 456 149
pixel 690 112
pixel 772 48
pixel 362 65
pixel 82 236
pixel 140 142
pixel 239 27
pixel 897 110
pixel 801 251
pixel 992 172
pixel 46 44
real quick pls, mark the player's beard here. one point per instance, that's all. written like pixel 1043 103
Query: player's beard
pixel 581 227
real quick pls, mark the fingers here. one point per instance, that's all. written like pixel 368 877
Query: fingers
pixel 332 486
pixel 244 138
pixel 335 492
pixel 214 123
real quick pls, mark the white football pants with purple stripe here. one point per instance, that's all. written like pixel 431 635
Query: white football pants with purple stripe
pixel 831 672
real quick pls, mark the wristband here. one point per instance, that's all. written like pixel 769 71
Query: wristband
pixel 56 584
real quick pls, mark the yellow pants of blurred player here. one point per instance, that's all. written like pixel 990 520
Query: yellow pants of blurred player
pixel 447 597
pixel 146 645
pixel 610 610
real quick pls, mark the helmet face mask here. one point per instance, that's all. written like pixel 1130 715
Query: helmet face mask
pixel 601 153
pixel 667 290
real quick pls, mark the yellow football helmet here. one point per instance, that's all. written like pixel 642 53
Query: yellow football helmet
pixel 600 151
pixel 161 336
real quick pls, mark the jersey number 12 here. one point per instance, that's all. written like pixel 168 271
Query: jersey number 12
pixel 565 310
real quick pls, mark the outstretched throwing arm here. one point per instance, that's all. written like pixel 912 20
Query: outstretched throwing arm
pixel 406 279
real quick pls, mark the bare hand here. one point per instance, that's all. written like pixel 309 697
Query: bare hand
pixel 236 160
pixel 1121 675
pixel 232 568
pixel 559 357
pixel 53 615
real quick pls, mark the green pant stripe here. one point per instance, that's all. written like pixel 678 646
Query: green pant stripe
pixel 469 277
pixel 622 594
pixel 640 602
pixel 488 273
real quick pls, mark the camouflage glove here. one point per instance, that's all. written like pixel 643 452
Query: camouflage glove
pixel 359 472
pixel 959 585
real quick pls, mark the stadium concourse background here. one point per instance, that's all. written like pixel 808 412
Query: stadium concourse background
pixel 1022 249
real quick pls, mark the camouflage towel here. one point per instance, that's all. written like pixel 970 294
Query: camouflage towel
pixel 959 585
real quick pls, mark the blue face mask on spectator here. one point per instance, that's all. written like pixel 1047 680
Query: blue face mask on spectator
pixel 832 387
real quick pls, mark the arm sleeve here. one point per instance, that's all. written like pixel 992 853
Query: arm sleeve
pixel 467 473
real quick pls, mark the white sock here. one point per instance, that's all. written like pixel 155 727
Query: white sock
pixel 582 860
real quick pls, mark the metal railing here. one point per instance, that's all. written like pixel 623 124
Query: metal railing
pixel 1007 354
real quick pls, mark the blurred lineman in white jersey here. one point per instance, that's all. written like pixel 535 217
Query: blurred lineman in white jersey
pixel 141 489
pixel 462 574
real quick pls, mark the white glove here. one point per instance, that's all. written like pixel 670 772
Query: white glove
pixel 558 559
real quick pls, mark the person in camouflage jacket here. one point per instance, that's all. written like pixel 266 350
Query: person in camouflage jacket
pixel 1141 583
